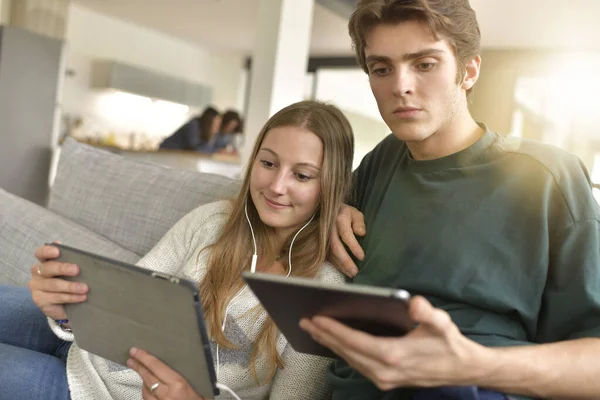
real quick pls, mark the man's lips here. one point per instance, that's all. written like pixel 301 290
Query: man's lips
pixel 406 112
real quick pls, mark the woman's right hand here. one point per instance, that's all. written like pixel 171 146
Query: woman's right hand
pixel 49 292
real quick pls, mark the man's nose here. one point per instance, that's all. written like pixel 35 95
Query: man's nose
pixel 404 82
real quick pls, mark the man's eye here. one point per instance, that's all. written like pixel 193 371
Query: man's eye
pixel 380 71
pixel 426 66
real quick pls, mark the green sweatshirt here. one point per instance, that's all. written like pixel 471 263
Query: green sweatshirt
pixel 504 236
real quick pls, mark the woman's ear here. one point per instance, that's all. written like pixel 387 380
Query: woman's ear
pixel 472 69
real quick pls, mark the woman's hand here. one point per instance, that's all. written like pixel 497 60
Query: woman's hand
pixel 160 381
pixel 48 291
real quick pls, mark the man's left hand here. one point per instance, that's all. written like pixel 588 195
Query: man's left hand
pixel 171 385
pixel 435 353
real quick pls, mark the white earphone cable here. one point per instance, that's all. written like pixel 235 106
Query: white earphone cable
pixel 231 392
pixel 292 244
pixel 252 269
pixel 255 255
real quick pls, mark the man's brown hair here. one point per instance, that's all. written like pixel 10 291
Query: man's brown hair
pixel 453 20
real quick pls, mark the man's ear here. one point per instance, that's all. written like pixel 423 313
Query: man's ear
pixel 471 72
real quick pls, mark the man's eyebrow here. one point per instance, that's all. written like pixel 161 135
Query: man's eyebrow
pixel 422 53
pixel 311 165
pixel 405 57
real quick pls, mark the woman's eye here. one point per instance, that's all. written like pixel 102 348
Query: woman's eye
pixel 302 177
pixel 267 164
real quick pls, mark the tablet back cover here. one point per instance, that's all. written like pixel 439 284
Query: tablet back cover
pixel 377 311
pixel 128 307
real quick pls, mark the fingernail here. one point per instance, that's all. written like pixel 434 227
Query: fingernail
pixel 133 351
pixel 130 363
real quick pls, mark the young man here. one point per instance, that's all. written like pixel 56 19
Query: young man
pixel 499 235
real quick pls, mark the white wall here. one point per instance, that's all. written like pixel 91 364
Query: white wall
pixel 91 36
pixel 368 132
pixel 349 89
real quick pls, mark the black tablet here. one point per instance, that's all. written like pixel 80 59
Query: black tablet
pixel 128 306
pixel 375 310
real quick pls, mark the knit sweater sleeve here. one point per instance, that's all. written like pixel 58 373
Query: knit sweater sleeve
pixel 304 376
pixel 169 254
pixel 194 230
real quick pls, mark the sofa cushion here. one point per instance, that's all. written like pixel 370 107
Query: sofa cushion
pixel 129 202
pixel 24 226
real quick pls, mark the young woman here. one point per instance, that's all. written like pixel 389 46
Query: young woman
pixel 280 223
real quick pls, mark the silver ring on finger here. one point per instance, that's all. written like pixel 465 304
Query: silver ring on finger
pixel 39 269
pixel 154 387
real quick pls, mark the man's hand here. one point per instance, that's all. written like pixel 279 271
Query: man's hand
pixel 159 380
pixel 435 353
pixel 350 222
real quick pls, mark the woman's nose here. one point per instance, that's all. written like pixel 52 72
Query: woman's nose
pixel 278 184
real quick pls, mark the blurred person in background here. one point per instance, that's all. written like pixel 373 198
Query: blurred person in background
pixel 229 133
pixel 198 134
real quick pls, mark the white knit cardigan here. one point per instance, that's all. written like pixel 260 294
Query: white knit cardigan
pixel 178 253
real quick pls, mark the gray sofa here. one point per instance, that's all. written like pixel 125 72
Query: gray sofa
pixel 103 203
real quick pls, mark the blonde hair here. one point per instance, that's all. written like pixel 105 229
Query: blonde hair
pixel 454 19
pixel 311 248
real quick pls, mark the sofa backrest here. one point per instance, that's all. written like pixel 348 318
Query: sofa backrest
pixel 25 226
pixel 129 202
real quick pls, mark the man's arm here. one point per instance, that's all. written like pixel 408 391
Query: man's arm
pixel 561 370
pixel 437 354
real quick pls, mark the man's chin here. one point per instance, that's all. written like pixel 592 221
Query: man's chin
pixel 410 134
